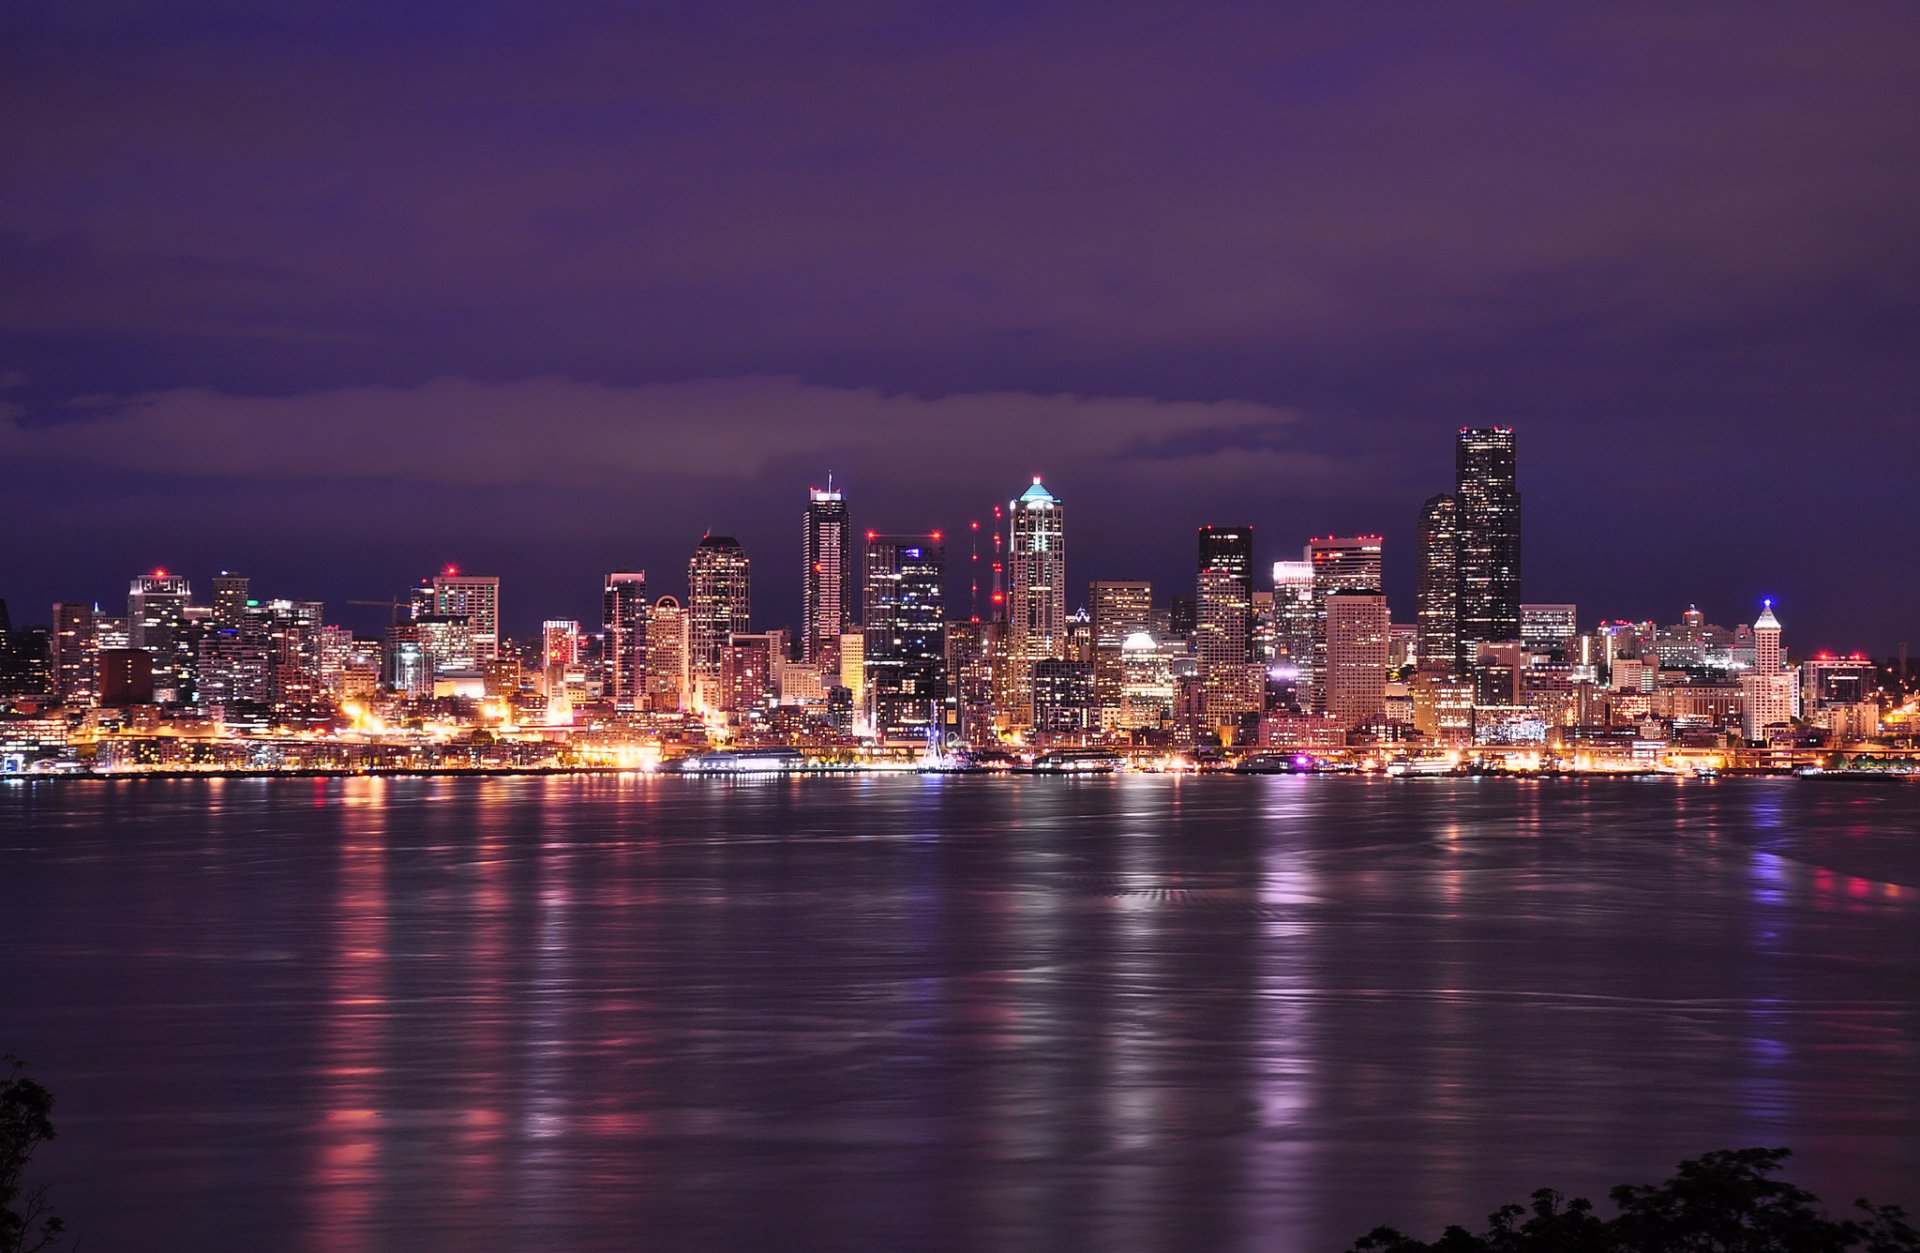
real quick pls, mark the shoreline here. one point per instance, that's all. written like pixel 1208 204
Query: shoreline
pixel 841 773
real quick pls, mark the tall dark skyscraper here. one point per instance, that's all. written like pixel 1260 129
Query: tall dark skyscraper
pixel 1223 617
pixel 905 634
pixel 826 587
pixel 623 615
pixel 719 603
pixel 1486 501
pixel 1438 593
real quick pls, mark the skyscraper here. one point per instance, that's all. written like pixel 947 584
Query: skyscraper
pixel 1229 548
pixel 1340 564
pixel 1293 613
pixel 826 588
pixel 623 617
pixel 1119 608
pixel 475 598
pixel 1037 596
pixel 1223 619
pixel 1438 593
pixel 719 603
pixel 904 654
pixel 666 655
pixel 157 623
pixel 1356 673
pixel 76 653
pixel 1486 501
pixel 1767 690
pixel 230 595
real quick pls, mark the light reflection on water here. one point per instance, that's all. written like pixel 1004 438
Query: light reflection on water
pixel 1127 1013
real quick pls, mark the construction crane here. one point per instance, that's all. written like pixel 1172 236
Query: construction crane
pixel 393 604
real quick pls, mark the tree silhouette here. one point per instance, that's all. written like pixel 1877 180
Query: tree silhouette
pixel 1724 1202
pixel 26 1119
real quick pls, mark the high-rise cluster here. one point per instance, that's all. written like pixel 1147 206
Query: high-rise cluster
pixel 883 660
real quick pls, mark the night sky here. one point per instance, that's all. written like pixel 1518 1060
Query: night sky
pixel 335 294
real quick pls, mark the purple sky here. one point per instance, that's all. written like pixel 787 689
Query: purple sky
pixel 339 294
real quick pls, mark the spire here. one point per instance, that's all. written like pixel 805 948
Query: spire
pixel 1766 621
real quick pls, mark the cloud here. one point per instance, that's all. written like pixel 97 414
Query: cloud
pixel 556 433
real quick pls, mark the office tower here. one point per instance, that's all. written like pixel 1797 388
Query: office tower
pixel 666 649
pixel 230 595
pixel 157 623
pixel 1356 673
pixel 1118 608
pixel 1294 610
pixel 826 588
pixel 1486 502
pixel 1146 682
pixel 1767 690
pixel 1549 630
pixel 76 653
pixel 623 618
pixel 1182 612
pixel 853 668
pixel 1340 564
pixel 1437 597
pixel 1221 644
pixel 904 653
pixel 1063 701
pixel 475 598
pixel 406 663
pixel 719 604
pixel 287 634
pixel 559 653
pixel 970 652
pixel 1037 595
pixel 749 665
pixel 1766 641
pixel 235 672
pixel 336 660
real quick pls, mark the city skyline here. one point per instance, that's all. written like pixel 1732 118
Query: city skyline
pixel 1400 578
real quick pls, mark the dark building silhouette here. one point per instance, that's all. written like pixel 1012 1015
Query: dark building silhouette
pixel 1486 502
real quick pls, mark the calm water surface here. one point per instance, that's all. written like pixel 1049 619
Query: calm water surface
pixel 905 1013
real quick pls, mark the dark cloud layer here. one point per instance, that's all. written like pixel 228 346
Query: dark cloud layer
pixel 561 287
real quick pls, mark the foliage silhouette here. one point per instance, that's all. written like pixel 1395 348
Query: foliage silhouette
pixel 1724 1202
pixel 26 1119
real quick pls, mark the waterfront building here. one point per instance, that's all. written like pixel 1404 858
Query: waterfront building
pixel 719 604
pixel 904 651
pixel 1340 564
pixel 1487 517
pixel 1063 702
pixel 971 648
pixel 1037 592
pixel 623 619
pixel 1356 673
pixel 826 587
